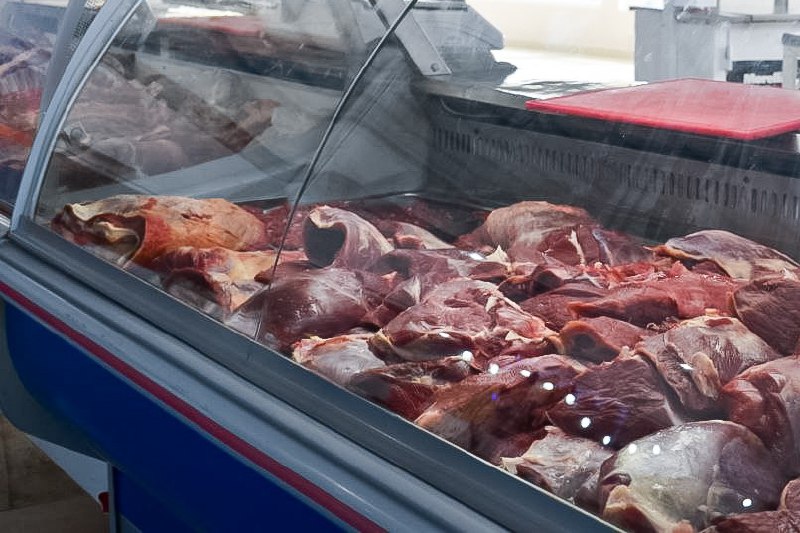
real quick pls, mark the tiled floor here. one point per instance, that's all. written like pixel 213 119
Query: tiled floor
pixel 37 496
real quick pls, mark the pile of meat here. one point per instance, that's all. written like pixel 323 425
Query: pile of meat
pixel 657 386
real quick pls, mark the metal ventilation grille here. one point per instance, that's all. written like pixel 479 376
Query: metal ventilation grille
pixel 653 195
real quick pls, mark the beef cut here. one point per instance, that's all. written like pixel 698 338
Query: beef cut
pixel 132 228
pixel 520 228
pixel 616 402
pixel 315 302
pixel 408 388
pixel 685 295
pixel 336 237
pixel 560 463
pixel 683 477
pixel 411 236
pixel 216 280
pixel 553 306
pixel 790 497
pixel 699 356
pixel 770 307
pixel 785 520
pixel 766 399
pixel 590 244
pixel 600 339
pixel 740 258
pixel 464 316
pixel 338 358
pixel 487 409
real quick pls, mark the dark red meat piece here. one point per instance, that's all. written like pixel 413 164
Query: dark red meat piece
pixel 740 258
pixel 408 388
pixel 590 244
pixel 615 403
pixel 766 399
pixel 487 409
pixel 699 356
pixel 683 477
pixel 338 358
pixel 599 339
pixel 770 308
pixel 342 239
pixel 464 316
pixel 559 463
pixel 683 296
pixel 790 497
pixel 553 306
pixel 764 522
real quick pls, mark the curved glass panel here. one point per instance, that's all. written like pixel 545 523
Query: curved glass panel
pixel 574 258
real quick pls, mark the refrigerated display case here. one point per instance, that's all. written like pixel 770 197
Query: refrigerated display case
pixel 316 264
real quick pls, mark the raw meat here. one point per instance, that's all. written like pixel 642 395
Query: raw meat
pixel 599 339
pixel 559 463
pixel 215 280
pixel 740 258
pixel 699 356
pixel 766 399
pixel 410 236
pixel 132 228
pixel 338 358
pixel 770 307
pixel 686 295
pixel 590 244
pixel 790 497
pixel 318 302
pixel 764 522
pixel 520 228
pixel 553 306
pixel 408 388
pixel 464 316
pixel 685 476
pixel 339 238
pixel 616 402
pixel 275 220
pixel 486 409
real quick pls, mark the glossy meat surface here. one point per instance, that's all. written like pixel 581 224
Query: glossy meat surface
pixel 338 358
pixel 686 476
pixel 770 307
pixel 336 237
pixel 599 339
pixel 699 356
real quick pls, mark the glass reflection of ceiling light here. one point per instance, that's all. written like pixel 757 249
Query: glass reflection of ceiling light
pixel 686 367
pixel 444 334
pixel 548 385
pixel 586 422
pixel 494 369
pixel 570 399
pixel 632 449
pixel 656 449
pixel 525 373
pixel 747 502
pixel 606 440
pixel 466 355
pixel 194 11
pixel 476 256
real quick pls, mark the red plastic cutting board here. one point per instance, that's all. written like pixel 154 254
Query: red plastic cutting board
pixel 706 107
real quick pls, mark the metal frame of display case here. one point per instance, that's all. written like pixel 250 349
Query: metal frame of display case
pixel 330 445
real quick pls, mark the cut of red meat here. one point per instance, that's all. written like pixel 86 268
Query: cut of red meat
pixel 553 306
pixel 131 228
pixel 559 463
pixel 520 228
pixel 317 302
pixel 686 295
pixel 408 388
pixel 410 236
pixel 770 307
pixel 275 220
pixel 699 356
pixel 764 522
pixel 339 238
pixel 487 409
pixel 616 402
pixel 338 358
pixel 766 399
pixel 683 477
pixel 790 497
pixel 740 258
pixel 215 280
pixel 464 316
pixel 600 339
pixel 590 244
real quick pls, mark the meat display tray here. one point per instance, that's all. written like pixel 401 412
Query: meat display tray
pixel 690 105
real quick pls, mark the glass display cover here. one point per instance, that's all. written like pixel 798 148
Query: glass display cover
pixel 519 250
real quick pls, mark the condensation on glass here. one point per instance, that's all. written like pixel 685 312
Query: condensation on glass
pixel 553 261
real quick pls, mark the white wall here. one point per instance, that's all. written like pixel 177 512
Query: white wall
pixel 585 27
